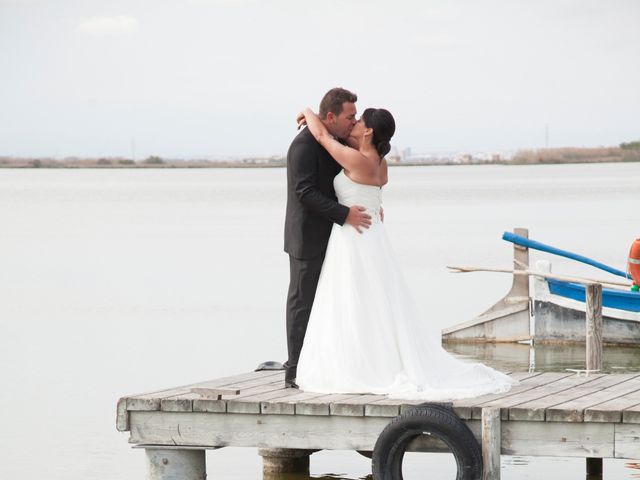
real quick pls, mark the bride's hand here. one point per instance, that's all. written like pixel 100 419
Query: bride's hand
pixel 301 120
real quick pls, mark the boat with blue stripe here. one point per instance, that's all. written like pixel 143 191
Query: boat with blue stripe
pixel 611 298
pixel 554 312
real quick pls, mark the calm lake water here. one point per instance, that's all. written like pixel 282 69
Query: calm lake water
pixel 114 282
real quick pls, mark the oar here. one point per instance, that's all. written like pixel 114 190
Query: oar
pixel 525 242
pixel 564 278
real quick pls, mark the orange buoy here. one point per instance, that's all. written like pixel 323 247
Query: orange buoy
pixel 633 266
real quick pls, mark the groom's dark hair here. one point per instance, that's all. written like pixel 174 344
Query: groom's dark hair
pixel 333 100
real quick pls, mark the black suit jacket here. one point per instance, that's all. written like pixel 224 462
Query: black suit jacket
pixel 312 205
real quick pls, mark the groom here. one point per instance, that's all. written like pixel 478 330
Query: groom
pixel 312 208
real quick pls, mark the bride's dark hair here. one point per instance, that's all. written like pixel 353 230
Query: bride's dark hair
pixel 383 125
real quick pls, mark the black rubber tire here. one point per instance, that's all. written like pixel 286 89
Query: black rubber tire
pixel 439 421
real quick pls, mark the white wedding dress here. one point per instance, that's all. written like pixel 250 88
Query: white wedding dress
pixel 365 334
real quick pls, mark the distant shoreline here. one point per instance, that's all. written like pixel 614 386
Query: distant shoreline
pixel 273 166
pixel 179 165
pixel 548 156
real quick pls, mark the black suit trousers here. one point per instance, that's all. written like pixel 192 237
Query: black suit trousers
pixel 304 275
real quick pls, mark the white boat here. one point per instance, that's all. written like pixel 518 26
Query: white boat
pixel 556 312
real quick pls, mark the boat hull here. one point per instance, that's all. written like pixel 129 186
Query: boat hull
pixel 562 318
pixel 616 299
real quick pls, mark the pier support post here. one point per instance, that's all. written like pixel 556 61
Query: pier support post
pixel 594 353
pixel 491 443
pixel 175 464
pixel 594 468
pixel 284 460
pixel 594 326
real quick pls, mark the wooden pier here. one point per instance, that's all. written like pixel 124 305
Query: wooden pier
pixel 559 414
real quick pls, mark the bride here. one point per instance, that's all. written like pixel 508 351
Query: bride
pixel 364 333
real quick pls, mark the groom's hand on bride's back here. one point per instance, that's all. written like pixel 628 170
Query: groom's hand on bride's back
pixel 358 218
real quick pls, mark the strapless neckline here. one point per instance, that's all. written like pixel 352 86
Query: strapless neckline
pixel 378 187
pixel 349 193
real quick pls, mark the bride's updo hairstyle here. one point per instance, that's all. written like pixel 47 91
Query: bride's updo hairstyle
pixel 383 125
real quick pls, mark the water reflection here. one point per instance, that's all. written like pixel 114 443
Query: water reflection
pixel 633 466
pixel 545 358
pixel 515 460
pixel 306 476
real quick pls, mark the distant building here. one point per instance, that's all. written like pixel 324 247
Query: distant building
pixel 464 159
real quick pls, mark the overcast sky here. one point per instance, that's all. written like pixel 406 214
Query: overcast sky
pixel 217 78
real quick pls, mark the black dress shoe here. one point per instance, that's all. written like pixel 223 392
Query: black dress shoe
pixel 291 384
pixel 269 365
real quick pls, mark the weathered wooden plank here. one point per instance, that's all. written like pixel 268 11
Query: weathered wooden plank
pixel 491 443
pixel 537 410
pixel 566 383
pixel 122 416
pixel 279 407
pixel 353 407
pixel 247 402
pixel 261 398
pixel 265 431
pixel 214 393
pixel 464 408
pixel 472 408
pixel 593 303
pixel 526 380
pixel 142 404
pixel 572 409
pixel 285 402
pixel 383 408
pixel 612 410
pixel 194 402
pixel 558 439
pixel 216 382
pixel 320 405
pixel 208 405
pixel 631 414
pixel 627 440
pixel 184 401
pixel 327 432
pixel 525 376
pixel 152 400
pixel 264 398
pixel 243 407
pixel 211 405
pixel 391 407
